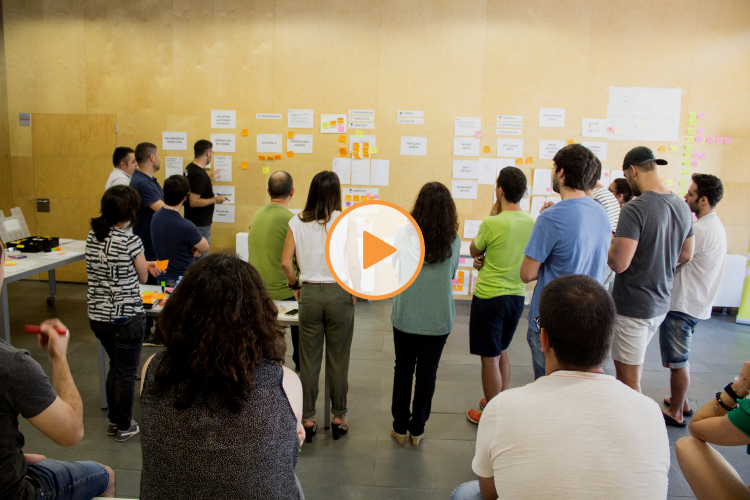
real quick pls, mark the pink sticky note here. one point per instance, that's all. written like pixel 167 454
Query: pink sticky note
pixel 455 280
pixel 698 138
pixel 376 196
pixel 701 156
pixel 478 133
pixel 693 163
pixel 727 140
pixel 719 140
pixel 611 130
pixel 709 140
pixel 341 129
pixel 695 155
pixel 701 115
pixel 699 131
pixel 549 189
pixel 462 261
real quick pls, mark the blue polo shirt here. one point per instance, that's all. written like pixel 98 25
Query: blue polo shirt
pixel 173 237
pixel 150 191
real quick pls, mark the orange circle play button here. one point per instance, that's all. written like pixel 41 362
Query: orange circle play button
pixel 375 250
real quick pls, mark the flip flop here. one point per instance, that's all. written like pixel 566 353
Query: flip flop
pixel 674 423
pixel 688 413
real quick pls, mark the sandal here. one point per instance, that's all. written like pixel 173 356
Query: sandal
pixel 310 430
pixel 340 429
pixel 688 413
pixel 672 422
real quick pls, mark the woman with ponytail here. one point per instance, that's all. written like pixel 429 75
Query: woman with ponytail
pixel 115 264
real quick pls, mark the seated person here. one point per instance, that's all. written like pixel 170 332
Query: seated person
pixel 724 421
pixel 175 238
pixel 576 433
pixel 56 410
pixel 218 410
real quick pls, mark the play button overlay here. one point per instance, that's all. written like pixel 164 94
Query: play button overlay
pixel 375 250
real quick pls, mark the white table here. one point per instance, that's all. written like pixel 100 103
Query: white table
pixel 36 263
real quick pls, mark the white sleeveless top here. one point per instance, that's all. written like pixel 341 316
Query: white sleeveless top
pixel 310 248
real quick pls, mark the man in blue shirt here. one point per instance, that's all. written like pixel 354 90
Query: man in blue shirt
pixel 570 237
pixel 175 238
pixel 152 195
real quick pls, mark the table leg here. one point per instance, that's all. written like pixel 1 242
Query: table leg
pixel 101 368
pixel 52 287
pixel 4 313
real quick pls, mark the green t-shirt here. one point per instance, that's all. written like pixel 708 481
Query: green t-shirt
pixel 266 237
pixel 504 236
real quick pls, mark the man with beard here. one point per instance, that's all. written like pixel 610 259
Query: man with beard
pixel 570 237
pixel 695 287
pixel 151 193
pixel 654 235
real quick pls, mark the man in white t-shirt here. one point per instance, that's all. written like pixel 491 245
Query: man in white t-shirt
pixel 694 290
pixel 124 163
pixel 576 433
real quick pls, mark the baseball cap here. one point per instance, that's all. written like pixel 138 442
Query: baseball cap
pixel 640 156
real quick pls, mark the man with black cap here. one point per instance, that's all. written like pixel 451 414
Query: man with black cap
pixel 654 235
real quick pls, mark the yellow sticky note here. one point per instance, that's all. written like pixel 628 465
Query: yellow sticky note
pixel 688 155
pixel 342 138
pixel 691 131
pixel 570 141
pixel 290 154
pixel 692 114
pixel 691 122
pixel 486 149
pixel 686 163
pixel 266 170
pixel 348 197
pixel 689 147
pixel 683 192
pixel 670 182
pixel 683 182
pixel 519 161
pixel 690 138
pixel 290 134
pixel 662 148
pixel 243 165
pixel 9 263
pixel 685 171
pixel 673 148
pixel 358 133
pixel 244 132
pixel 325 126
pixel 529 159
pixel 373 150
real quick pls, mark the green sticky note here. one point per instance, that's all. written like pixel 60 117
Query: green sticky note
pixel 692 114
pixel 691 121
pixel 686 163
pixel 669 182
pixel 688 155
pixel 683 182
pixel 266 170
pixel 689 147
pixel 673 148
pixel 325 125
pixel 683 192
pixel 685 171
pixel 691 131
pixel 690 138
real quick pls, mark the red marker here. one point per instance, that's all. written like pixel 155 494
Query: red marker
pixel 38 329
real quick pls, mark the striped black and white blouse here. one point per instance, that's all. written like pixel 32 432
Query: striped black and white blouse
pixel 114 291
pixel 610 204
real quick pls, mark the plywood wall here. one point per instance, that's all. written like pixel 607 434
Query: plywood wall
pixel 82 66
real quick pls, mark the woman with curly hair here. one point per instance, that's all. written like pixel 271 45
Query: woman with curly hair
pixel 220 416
pixel 423 314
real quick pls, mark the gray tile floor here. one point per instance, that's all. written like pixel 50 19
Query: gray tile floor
pixel 368 463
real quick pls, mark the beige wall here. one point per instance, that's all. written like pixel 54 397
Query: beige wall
pixel 82 66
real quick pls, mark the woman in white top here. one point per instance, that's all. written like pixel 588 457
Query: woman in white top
pixel 326 310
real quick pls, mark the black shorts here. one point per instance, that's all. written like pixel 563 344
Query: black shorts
pixel 493 323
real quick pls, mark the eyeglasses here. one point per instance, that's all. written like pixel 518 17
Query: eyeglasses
pixel 536 322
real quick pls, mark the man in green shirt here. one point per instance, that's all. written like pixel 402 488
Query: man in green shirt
pixel 497 304
pixel 266 237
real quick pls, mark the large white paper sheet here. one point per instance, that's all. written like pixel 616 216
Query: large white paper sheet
pixel 598 148
pixel 300 144
pixel 488 170
pixel 510 148
pixel 464 190
pixel 172 166
pixel 471 228
pixel 542 182
pixel 174 141
pixel 223 143
pixel 224 213
pixel 467 126
pixel 342 168
pixel 223 118
pixel 643 114
pixel 538 201
pixel 327 128
pixel 223 168
pixel 227 191
pixel 413 146
pixel 594 127
pixel 466 169
pixel 552 117
pixel 466 146
pixel 548 149
pixel 268 143
pixel 371 140
pixel 300 118
pixel 379 172
pixel 361 172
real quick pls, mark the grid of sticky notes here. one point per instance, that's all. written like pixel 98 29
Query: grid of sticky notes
pixel 461 282
pixel 353 199
pixel 360 152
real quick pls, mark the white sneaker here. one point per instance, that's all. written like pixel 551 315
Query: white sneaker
pixel 127 434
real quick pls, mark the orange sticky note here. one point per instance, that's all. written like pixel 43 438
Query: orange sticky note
pixel 269 158
pixel 290 154
pixel 569 141
pixel 519 161
pixel 162 264
pixel 365 155
pixel 243 165
pixel 342 150
pixel 662 148
pixel 277 157
pixel 342 138
pixel 290 134
pixel 333 123
pixel 342 154
pixel 486 149
pixel 529 159
pixel 348 197
pixel 244 132
pixel 340 120
pixel 261 158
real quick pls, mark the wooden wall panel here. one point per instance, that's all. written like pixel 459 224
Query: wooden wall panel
pixel 73 135
pixel 6 176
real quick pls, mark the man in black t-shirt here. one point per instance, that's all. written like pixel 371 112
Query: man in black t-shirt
pixel 200 206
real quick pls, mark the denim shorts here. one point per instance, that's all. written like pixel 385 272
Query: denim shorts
pixel 67 480
pixel 675 334
pixel 493 323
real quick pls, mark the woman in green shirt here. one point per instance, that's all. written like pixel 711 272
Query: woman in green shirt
pixel 423 314
pixel 723 421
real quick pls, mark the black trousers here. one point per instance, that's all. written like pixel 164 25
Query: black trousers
pixel 423 353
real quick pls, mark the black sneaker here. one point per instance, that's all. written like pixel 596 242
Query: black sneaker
pixel 112 429
pixel 129 433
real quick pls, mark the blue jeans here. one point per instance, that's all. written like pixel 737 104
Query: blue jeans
pixel 206 233
pixel 675 334
pixel 67 480
pixel 537 358
pixel 122 341
pixel 467 491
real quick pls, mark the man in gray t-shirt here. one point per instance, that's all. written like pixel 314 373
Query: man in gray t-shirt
pixel 654 235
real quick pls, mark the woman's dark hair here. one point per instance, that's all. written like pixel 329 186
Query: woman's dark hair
pixel 513 182
pixel 323 198
pixel 579 163
pixel 709 186
pixel 119 204
pixel 623 188
pixel 218 326
pixel 435 213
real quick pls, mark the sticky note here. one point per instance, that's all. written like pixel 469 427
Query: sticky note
pixel 693 163
pixel 341 129
pixel 689 147
pixel 262 158
pixel 662 148
pixel 691 121
pixel 690 138
pixel 486 149
pixel 699 138
pixel 356 197
pixel 365 155
pixel 701 115
pixel 695 155
pixel 373 150
pixel 519 161
pixel 685 171
pixel 342 154
pixel 266 170
pixel 342 138
pixel 701 156
pixel 709 140
pixel 277 157
pixel 529 159
pixel 343 150
pixel 683 192
pixel 691 131
pixel 244 132
pixel 290 134
pixel 688 155
pixel 325 126
pixel 358 133
pixel 683 182
pixel 162 264
pixel 478 133
pixel 611 130
pixel 333 123
pixel 11 263
pixel 348 197
pixel 686 163
pixel 290 154
pixel 243 165
pixel 719 140
pixel 365 144
pixel 727 140
pixel 269 158
pixel 699 131
pixel 692 114
pixel 340 121
pixel 569 141
pixel 669 182
pixel 673 148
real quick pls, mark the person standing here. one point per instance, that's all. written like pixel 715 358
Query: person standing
pixel 570 237
pixel 422 315
pixel 693 291
pixel 654 235
pixel 151 193
pixel 326 310
pixel 497 304
pixel 176 239
pixel 265 242
pixel 124 163
pixel 200 206
pixel 115 264
pixel 621 190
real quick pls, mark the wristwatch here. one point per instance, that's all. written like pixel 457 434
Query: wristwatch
pixel 296 286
